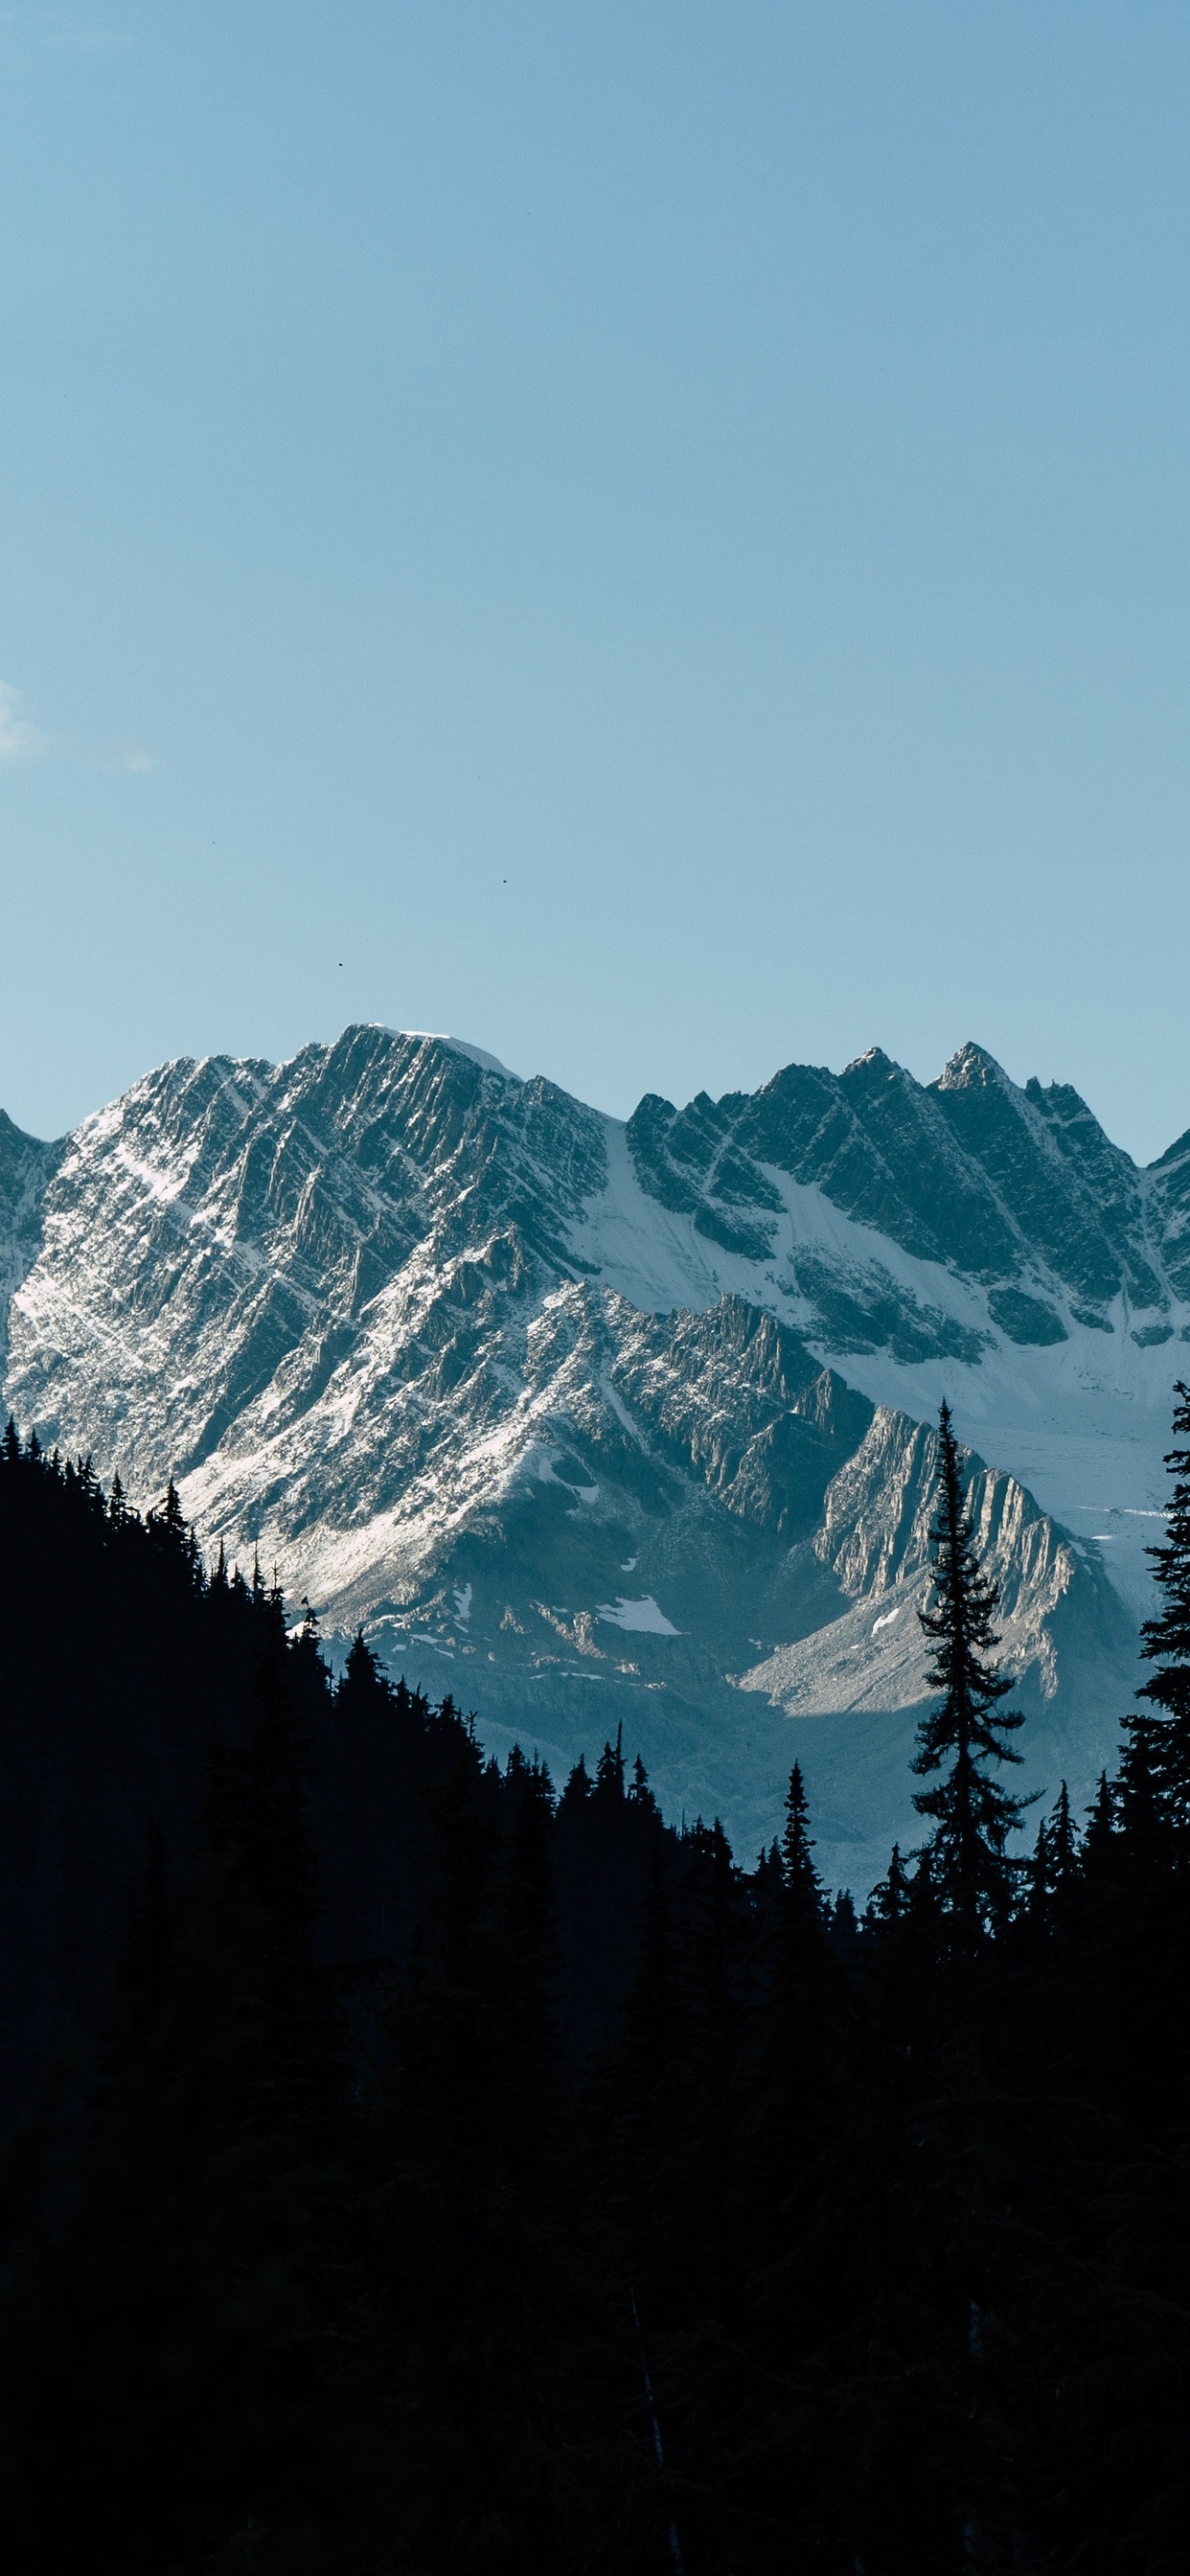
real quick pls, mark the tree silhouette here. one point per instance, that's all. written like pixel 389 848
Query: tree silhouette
pixel 1054 1869
pixel 1165 1640
pixel 803 1887
pixel 972 1876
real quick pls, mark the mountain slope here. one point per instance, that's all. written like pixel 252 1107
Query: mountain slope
pixel 622 1424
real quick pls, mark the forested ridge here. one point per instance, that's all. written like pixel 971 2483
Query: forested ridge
pixel 418 2166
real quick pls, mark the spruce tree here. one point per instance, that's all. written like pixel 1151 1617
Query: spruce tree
pixel 639 1794
pixel 1099 1841
pixel 972 1815
pixel 1054 1869
pixel 1142 1795
pixel 609 1776
pixel 889 1901
pixel 803 1888
pixel 1165 1639
pixel 578 1786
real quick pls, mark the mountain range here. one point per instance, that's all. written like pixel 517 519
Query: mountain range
pixel 601 1425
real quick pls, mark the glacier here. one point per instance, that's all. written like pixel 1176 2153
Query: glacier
pixel 460 1355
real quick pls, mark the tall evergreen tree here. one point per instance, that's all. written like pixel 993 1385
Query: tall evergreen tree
pixel 1142 1796
pixel 803 1887
pixel 1165 1639
pixel 972 1875
pixel 1099 1839
pixel 609 1776
pixel 1055 1865
pixel 889 1901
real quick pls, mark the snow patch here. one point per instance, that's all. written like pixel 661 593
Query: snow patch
pixel 641 1615
pixel 462 1046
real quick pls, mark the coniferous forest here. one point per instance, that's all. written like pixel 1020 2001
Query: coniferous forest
pixel 415 2165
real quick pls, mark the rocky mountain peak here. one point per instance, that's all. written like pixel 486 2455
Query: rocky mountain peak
pixel 972 1067
pixel 874 1064
pixel 563 1409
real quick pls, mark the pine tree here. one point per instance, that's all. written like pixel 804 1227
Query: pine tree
pixel 889 1901
pixel 640 1794
pixel 171 1531
pixel 1099 1841
pixel 1055 1865
pixel 1165 1639
pixel 578 1787
pixel 1143 1798
pixel 973 1816
pixel 1039 1876
pixel 803 1888
pixel 609 1776
pixel 843 1926
pixel 1063 1842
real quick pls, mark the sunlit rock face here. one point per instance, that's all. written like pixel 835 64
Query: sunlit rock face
pixel 597 1424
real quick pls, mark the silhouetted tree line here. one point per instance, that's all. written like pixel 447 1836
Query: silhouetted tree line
pixel 420 2170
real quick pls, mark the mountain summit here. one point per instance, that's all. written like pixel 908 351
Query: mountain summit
pixel 597 1423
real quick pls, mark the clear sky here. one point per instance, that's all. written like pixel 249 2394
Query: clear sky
pixel 654 537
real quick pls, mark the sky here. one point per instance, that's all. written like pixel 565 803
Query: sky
pixel 651 537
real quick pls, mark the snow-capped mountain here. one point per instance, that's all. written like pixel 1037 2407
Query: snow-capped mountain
pixel 599 1424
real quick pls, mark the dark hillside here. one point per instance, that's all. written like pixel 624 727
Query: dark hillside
pixel 118 1665
pixel 456 2178
pixel 121 1664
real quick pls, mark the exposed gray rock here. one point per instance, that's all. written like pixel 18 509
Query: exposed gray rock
pixel 594 1424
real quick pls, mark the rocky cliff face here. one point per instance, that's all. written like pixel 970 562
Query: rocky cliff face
pixel 26 1168
pixel 597 1424
pixel 1017 1191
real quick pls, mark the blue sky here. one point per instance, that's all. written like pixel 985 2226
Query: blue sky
pixel 654 537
